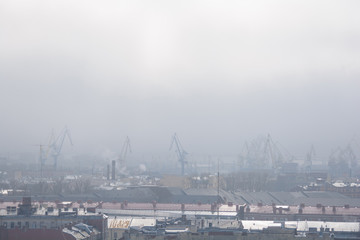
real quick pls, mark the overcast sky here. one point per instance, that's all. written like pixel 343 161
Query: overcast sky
pixel 216 72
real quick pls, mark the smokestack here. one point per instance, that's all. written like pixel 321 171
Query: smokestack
pixel 108 172
pixel 113 170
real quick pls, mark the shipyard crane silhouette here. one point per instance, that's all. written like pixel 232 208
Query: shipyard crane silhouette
pixel 309 158
pixel 342 161
pixel 263 152
pixel 350 156
pixel 180 152
pixel 124 151
pixel 56 145
pixel 42 158
pixel 345 156
pixel 354 144
pixel 273 152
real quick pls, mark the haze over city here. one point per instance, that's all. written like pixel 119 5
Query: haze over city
pixel 217 73
pixel 191 120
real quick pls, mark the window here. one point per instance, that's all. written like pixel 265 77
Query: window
pixel 12 225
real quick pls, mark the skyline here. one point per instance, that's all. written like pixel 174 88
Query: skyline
pixel 218 74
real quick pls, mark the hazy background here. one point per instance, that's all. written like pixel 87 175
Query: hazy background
pixel 216 72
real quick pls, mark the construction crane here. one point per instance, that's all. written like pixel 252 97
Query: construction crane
pixel 56 144
pixel 180 152
pixel 124 151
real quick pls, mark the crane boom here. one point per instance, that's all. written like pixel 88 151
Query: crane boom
pixel 180 152
pixel 124 151
pixel 309 158
pixel 57 144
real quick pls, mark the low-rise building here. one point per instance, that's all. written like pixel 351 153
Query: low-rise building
pixel 29 220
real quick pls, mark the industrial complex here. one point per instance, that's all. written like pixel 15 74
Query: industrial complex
pixel 264 194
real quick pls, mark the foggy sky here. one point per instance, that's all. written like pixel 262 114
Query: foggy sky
pixel 216 72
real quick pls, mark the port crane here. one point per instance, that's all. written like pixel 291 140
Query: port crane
pixel 345 156
pixel 309 157
pixel 56 144
pixel 42 158
pixel 126 148
pixel 276 156
pixel 180 152
pixel 350 156
pixel 263 152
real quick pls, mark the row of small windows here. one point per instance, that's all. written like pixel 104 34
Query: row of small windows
pixel 27 224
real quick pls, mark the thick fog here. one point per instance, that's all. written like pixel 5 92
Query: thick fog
pixel 216 72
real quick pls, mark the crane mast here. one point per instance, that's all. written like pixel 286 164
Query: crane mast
pixel 124 151
pixel 56 145
pixel 180 152
pixel 42 159
pixel 309 158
